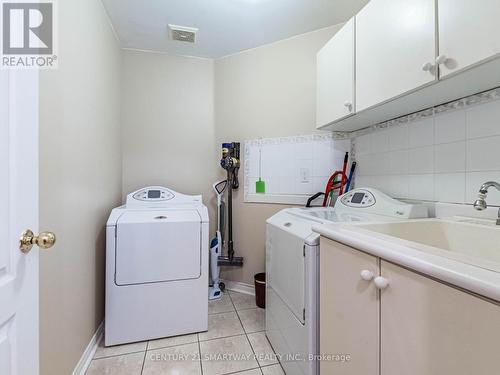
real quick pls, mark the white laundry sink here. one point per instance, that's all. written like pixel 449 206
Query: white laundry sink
pixel 472 241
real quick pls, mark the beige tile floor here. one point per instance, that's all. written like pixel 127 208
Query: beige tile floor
pixel 235 343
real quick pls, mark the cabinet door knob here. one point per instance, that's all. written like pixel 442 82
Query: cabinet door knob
pixel 348 105
pixel 441 59
pixel 381 282
pixel 367 275
pixel 427 67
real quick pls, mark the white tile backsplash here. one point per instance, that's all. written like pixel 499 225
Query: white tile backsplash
pixel 421 160
pixel 293 168
pixel 450 157
pixel 303 150
pixel 483 120
pixel 449 187
pixel 398 138
pixel 482 154
pixel 442 157
pixel 398 185
pixel 363 144
pixel 421 133
pixel 380 141
pixel 380 163
pixel 398 162
pixel 421 186
pixel 450 127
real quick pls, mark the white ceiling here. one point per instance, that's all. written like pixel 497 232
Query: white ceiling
pixel 225 26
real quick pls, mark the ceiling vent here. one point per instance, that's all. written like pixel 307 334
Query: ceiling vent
pixel 183 33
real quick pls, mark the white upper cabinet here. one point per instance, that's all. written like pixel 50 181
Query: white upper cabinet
pixel 469 32
pixel 395 49
pixel 335 77
pixel 406 56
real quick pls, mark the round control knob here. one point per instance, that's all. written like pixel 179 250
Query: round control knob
pixel 381 282
pixel 367 275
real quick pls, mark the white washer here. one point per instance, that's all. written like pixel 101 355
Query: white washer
pixel 156 266
pixel 292 266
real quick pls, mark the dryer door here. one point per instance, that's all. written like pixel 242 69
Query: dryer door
pixel 157 246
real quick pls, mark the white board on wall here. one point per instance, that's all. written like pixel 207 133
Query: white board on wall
pixel 293 168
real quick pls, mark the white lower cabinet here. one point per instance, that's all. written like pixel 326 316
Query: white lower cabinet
pixel 401 322
pixel 349 308
pixel 431 328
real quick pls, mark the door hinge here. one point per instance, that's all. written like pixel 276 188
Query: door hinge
pixel 304 315
pixel 304 251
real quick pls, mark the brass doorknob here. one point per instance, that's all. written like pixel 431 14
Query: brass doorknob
pixel 44 240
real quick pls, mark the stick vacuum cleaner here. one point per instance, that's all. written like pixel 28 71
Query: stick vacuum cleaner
pixel 231 163
pixel 215 291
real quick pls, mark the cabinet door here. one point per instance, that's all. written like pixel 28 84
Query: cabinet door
pixel 394 39
pixel 433 329
pixel 335 77
pixel 349 310
pixel 469 32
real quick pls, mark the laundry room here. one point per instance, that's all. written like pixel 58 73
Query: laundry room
pixel 219 187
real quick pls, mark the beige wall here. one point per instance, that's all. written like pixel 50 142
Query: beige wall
pixel 80 180
pixel 265 92
pixel 168 123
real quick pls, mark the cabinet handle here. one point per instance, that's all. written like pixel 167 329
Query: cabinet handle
pixel 381 283
pixel 348 105
pixel 367 275
pixel 427 67
pixel 441 59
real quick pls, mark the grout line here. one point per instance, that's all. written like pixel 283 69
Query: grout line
pixel 222 312
pixel 224 337
pixel 118 355
pixel 171 346
pixel 274 364
pixel 246 335
pixel 248 340
pixel 239 372
pixel 199 352
pixel 253 350
pixel 144 358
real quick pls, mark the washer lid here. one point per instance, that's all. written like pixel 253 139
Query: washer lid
pixel 158 246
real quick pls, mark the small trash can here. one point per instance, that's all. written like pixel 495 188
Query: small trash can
pixel 260 290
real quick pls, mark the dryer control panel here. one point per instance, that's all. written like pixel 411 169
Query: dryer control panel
pixel 153 194
pixel 359 198
pixel 373 201
pixel 160 197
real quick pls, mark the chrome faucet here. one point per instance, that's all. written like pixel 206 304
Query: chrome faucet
pixel 480 204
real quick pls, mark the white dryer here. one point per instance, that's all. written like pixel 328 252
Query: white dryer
pixel 156 266
pixel 292 267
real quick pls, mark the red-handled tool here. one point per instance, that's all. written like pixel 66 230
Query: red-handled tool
pixel 331 186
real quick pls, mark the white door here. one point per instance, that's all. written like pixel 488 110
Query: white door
pixel 335 77
pixel 469 32
pixel 394 41
pixel 18 212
